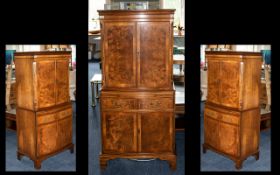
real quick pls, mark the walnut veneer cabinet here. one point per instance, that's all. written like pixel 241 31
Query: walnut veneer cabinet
pixel 232 109
pixel 44 110
pixel 137 96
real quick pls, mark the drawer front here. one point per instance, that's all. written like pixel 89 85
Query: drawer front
pixel 118 103
pixel 138 103
pixel 224 117
pixel 43 119
pixel 64 113
pixel 48 118
pixel 156 103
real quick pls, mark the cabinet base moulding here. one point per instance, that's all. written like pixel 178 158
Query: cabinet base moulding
pixel 170 158
pixel 37 161
pixel 238 160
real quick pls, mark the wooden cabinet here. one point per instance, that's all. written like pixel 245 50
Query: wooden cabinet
pixel 232 110
pixel 137 96
pixel 44 111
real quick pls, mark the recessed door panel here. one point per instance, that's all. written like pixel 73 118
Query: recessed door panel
pixel 154 44
pixel 45 73
pixel 119 58
pixel 119 132
pixel 229 85
pixel 62 81
pixel 156 132
pixel 213 81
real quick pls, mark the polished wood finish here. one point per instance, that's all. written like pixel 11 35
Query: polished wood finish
pixel 232 110
pixel 137 96
pixel 44 111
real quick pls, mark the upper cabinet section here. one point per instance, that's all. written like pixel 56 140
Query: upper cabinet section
pixel 137 49
pixel 233 79
pixel 42 79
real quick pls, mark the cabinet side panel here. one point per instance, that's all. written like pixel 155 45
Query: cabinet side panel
pixel 24 79
pixel 250 128
pixel 26 132
pixel 252 78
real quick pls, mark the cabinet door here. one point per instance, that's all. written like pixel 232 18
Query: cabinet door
pixel 47 138
pixel 154 55
pixel 119 132
pixel 119 54
pixel 62 81
pixel 156 132
pixel 213 81
pixel 45 83
pixel 211 129
pixel 65 132
pixel 229 83
pixel 229 138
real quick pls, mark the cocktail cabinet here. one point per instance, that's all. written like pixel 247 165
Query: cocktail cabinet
pixel 137 95
pixel 44 110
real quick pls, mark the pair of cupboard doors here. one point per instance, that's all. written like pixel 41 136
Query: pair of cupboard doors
pixel 42 79
pixel 234 79
pixel 137 53
pixel 137 123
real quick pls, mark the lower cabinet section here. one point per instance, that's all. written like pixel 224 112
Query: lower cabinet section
pixel 45 133
pixel 232 133
pixel 138 126
pixel 129 132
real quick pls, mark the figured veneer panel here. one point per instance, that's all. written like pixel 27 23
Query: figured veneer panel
pixel 45 78
pixel 47 138
pixel 156 132
pixel 229 85
pixel 62 81
pixel 119 131
pixel 119 61
pixel 154 60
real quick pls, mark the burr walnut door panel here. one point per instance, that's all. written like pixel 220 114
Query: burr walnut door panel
pixel 229 83
pixel 156 132
pixel 65 131
pixel 45 95
pixel 62 81
pixel 119 55
pixel 211 132
pixel 213 82
pixel 119 132
pixel 47 138
pixel 154 55
pixel 229 138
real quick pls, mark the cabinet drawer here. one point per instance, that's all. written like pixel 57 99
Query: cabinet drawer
pixel 228 118
pixel 64 113
pixel 160 103
pixel 137 101
pixel 48 118
pixel 163 104
pixel 118 103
